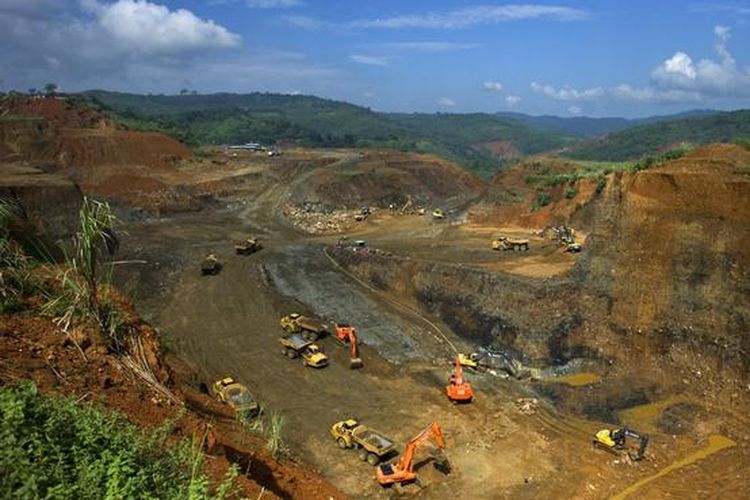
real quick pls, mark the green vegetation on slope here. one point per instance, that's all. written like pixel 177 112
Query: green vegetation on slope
pixel 316 122
pixel 52 447
pixel 642 140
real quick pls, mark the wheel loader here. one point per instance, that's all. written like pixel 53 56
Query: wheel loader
pixel 295 346
pixel 372 446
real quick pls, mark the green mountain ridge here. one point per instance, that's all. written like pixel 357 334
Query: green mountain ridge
pixel 317 122
pixel 226 118
pixel 640 140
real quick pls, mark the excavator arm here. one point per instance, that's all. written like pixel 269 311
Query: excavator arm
pixel 404 469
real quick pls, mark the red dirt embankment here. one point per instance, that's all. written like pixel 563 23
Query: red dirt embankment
pixel 35 348
pixel 668 248
pixel 381 178
pixel 671 247
pixel 88 148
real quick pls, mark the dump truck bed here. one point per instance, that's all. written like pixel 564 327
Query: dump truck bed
pixel 372 440
pixel 295 341
pixel 312 324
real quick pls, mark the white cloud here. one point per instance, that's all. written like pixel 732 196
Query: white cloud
pixel 512 100
pixel 567 93
pixel 369 60
pixel 429 46
pixel 681 76
pixel 446 103
pixel 473 16
pixel 651 94
pixel 142 26
pixel 575 110
pixel 492 86
pixel 143 48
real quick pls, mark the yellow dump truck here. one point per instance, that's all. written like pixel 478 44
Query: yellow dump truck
pixel 311 328
pixel 295 346
pixel 372 446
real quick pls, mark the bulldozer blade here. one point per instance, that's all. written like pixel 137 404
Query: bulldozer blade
pixel 355 363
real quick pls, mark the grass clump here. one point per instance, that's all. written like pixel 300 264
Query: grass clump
pixel 52 447
pixel 270 428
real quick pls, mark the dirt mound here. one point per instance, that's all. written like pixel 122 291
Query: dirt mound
pixel 58 110
pixel 671 250
pixel 521 196
pixel 83 145
pixel 385 178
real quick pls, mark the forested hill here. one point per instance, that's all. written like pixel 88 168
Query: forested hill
pixel 313 121
pixel 635 142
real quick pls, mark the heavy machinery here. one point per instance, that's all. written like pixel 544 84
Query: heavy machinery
pixel 295 346
pixel 210 265
pixel 438 214
pixel 505 243
pixel 229 391
pixel 468 360
pixel 346 333
pixel 250 245
pixel 363 214
pixel 372 446
pixel 615 441
pixel 459 390
pixel 311 328
pixel 403 470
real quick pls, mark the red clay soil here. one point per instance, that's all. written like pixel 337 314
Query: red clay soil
pixel 86 146
pixel 35 348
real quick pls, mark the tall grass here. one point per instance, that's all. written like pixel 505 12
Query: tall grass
pixel 84 284
pixel 16 278
pixel 270 428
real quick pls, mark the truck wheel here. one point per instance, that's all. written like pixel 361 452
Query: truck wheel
pixel 342 443
pixel 290 353
pixel 363 455
pixel 373 459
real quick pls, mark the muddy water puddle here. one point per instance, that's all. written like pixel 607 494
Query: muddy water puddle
pixel 716 443
pixel 650 411
pixel 575 379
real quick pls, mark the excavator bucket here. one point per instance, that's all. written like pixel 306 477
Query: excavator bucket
pixel 355 363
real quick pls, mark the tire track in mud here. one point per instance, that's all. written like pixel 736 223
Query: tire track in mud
pixel 404 308
pixel 304 273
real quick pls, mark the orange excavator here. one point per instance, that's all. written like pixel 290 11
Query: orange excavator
pixel 458 390
pixel 403 470
pixel 347 333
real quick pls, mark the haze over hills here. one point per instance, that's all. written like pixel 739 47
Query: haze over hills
pixel 586 126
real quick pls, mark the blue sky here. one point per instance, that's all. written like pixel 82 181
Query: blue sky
pixel 568 58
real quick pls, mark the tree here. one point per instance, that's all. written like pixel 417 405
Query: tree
pixel 184 92
pixel 50 88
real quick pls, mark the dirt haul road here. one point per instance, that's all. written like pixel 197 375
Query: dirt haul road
pixel 229 325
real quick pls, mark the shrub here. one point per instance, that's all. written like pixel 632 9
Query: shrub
pixel 742 141
pixel 571 193
pixel 542 199
pixel 52 447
